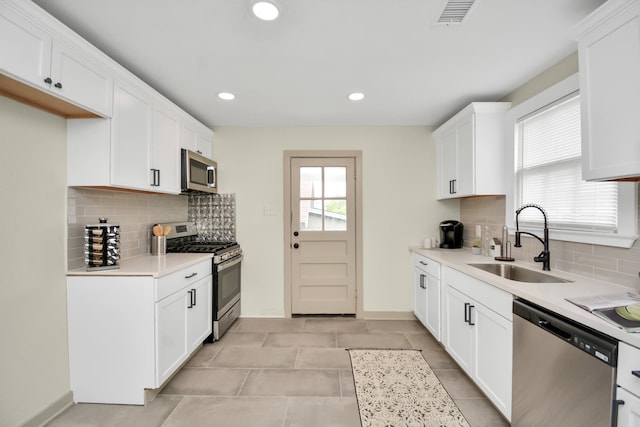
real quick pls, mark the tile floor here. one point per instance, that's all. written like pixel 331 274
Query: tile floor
pixel 282 372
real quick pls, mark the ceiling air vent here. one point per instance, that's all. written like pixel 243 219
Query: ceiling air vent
pixel 455 11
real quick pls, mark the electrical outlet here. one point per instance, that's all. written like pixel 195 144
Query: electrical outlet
pixel 270 210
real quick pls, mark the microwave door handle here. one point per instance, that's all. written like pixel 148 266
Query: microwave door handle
pixel 211 176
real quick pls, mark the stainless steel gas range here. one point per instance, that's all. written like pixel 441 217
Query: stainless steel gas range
pixel 227 259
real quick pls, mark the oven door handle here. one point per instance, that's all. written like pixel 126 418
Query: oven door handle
pixel 230 263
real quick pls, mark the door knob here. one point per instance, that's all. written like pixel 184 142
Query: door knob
pixel 295 233
pixel 296 246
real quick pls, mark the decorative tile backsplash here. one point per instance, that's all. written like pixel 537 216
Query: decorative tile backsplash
pixel 214 215
pixel 134 212
pixel 616 265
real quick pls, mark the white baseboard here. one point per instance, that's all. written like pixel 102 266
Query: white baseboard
pixel 388 315
pixel 51 411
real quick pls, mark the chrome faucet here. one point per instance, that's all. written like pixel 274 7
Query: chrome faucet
pixel 545 256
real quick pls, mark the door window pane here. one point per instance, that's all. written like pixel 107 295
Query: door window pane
pixel 323 192
pixel 335 181
pixel 310 182
pixel 311 215
pixel 335 214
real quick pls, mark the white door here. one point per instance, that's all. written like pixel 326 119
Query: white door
pixel 323 253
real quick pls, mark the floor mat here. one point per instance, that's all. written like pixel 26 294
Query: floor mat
pixel 399 388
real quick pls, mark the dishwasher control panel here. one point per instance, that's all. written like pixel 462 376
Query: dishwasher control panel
pixel 593 349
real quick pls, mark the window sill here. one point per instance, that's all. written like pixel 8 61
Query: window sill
pixel 589 238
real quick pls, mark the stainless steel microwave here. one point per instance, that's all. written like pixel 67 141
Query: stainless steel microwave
pixel 199 173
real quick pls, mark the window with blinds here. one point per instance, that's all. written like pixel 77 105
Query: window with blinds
pixel 548 172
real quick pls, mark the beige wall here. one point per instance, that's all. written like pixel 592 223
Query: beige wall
pixel 34 367
pixel 398 197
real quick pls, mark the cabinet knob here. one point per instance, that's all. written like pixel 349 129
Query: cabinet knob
pixel 48 80
pixel 58 85
pixel 296 246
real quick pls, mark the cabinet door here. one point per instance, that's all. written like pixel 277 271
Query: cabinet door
pixel 420 294
pixel 80 80
pixel 610 89
pixel 188 136
pixel 629 412
pixel 465 157
pixel 203 142
pixel 447 165
pixel 459 332
pixel 131 138
pixel 26 49
pixel 171 334
pixel 165 158
pixel 200 315
pixel 196 137
pixel 432 316
pixel 493 350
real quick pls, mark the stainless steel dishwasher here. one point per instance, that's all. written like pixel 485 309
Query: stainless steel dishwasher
pixel 563 372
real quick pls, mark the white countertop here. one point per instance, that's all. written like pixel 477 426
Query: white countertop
pixel 549 295
pixel 147 265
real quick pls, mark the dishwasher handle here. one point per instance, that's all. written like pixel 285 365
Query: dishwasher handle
pixel 545 324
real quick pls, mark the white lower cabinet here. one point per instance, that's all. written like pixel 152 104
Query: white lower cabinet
pixel 131 333
pixel 477 333
pixel 183 321
pixel 628 390
pixel 629 412
pixel 426 289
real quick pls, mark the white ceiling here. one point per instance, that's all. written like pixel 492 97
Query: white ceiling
pixel 298 70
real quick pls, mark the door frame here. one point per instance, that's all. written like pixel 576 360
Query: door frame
pixel 356 155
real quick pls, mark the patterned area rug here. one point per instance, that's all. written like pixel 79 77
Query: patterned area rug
pixel 398 388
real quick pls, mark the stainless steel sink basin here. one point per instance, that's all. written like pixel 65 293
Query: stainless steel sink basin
pixel 519 274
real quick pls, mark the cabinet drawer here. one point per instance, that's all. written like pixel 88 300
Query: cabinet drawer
pixel 628 362
pixel 166 285
pixel 427 265
pixel 492 297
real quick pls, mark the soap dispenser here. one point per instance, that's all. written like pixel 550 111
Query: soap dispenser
pixel 486 241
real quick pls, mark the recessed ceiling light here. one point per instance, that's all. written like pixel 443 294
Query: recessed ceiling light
pixel 356 96
pixel 226 96
pixel 265 10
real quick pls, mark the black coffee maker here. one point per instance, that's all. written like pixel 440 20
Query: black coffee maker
pixel 451 234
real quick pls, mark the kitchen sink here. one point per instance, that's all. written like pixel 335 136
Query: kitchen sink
pixel 519 274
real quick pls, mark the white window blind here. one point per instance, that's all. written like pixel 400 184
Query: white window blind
pixel 548 172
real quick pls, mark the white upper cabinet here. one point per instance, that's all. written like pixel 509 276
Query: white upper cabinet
pixel 196 137
pixel 609 53
pixel 470 151
pixel 34 55
pixel 165 150
pixel 81 81
pixel 138 149
pixel 25 47
pixel 131 129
